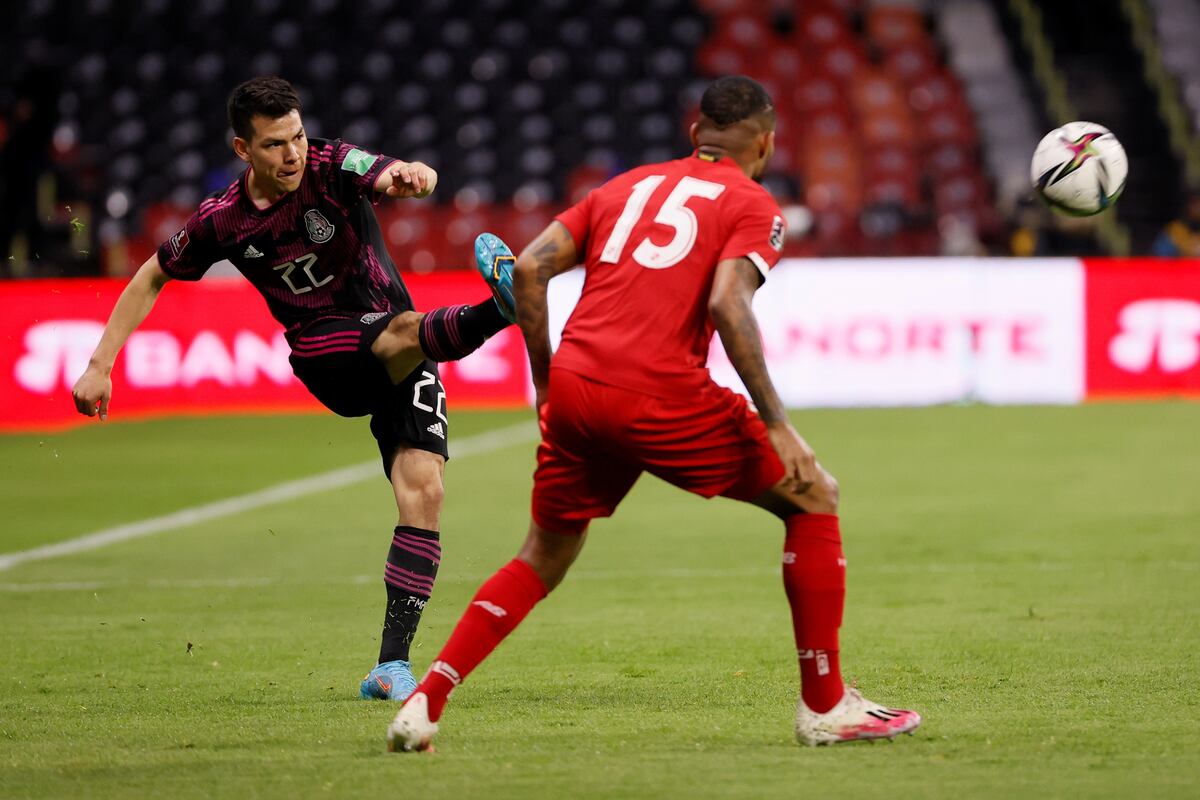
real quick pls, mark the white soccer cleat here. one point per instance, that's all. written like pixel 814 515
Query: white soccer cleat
pixel 854 717
pixel 411 730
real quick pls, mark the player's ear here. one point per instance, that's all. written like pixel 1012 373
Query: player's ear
pixel 766 144
pixel 241 148
pixel 694 134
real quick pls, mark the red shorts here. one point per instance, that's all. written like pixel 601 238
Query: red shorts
pixel 597 439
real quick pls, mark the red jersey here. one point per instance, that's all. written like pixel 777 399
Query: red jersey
pixel 650 240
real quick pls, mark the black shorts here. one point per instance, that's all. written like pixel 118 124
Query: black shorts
pixel 333 359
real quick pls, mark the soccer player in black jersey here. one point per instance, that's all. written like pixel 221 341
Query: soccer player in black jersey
pixel 298 223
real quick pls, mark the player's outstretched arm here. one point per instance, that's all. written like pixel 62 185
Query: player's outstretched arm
pixel 94 388
pixel 551 253
pixel 734 284
pixel 407 179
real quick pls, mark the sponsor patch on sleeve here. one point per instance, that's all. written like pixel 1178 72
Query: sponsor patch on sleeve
pixel 778 234
pixel 358 161
pixel 178 242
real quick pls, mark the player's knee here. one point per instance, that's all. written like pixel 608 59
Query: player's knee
pixel 404 323
pixel 821 497
pixel 834 491
pixel 824 495
pixel 404 329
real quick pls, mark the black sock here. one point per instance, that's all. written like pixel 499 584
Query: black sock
pixel 452 332
pixel 412 565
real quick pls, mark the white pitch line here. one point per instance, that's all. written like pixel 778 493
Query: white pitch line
pixel 282 492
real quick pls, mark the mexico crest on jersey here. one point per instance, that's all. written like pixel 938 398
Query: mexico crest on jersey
pixel 320 230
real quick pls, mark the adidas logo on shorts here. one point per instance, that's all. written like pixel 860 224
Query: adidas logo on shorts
pixel 252 252
pixel 437 429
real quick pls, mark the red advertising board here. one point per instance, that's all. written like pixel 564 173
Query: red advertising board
pixel 1143 328
pixel 206 347
pixel 836 332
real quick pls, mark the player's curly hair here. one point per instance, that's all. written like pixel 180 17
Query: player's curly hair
pixel 268 96
pixel 734 98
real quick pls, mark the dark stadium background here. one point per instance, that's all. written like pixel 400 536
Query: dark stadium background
pixel 905 126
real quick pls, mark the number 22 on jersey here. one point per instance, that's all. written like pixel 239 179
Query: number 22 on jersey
pixel 673 213
pixel 305 262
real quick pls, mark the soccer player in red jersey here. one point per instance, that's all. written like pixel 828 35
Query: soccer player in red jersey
pixel 299 224
pixel 672 251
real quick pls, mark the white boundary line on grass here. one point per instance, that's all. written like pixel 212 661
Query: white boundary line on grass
pixel 471 445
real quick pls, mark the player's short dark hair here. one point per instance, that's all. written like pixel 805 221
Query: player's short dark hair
pixel 267 96
pixel 734 98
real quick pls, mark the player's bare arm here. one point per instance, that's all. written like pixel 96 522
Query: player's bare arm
pixel 407 179
pixel 734 284
pixel 551 253
pixel 94 388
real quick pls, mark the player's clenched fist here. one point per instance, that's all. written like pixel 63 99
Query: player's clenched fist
pixel 92 392
pixel 412 179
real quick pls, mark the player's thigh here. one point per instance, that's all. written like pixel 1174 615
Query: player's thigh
pixel 713 444
pixel 582 472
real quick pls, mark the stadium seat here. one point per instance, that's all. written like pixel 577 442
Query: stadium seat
pixel 720 58
pixel 783 61
pixel 884 128
pixel 911 63
pixel 890 26
pixel 508 104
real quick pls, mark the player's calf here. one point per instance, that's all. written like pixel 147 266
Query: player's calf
pixel 454 332
pixel 418 485
pixel 550 554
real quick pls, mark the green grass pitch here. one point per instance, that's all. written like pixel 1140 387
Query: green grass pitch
pixel 1027 578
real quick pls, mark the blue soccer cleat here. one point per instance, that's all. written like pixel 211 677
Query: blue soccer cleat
pixel 391 680
pixel 495 262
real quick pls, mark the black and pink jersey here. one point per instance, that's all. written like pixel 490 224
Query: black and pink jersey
pixel 316 253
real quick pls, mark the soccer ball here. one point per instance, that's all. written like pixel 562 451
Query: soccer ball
pixel 1079 169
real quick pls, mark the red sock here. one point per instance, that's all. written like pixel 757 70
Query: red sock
pixel 498 607
pixel 814 577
